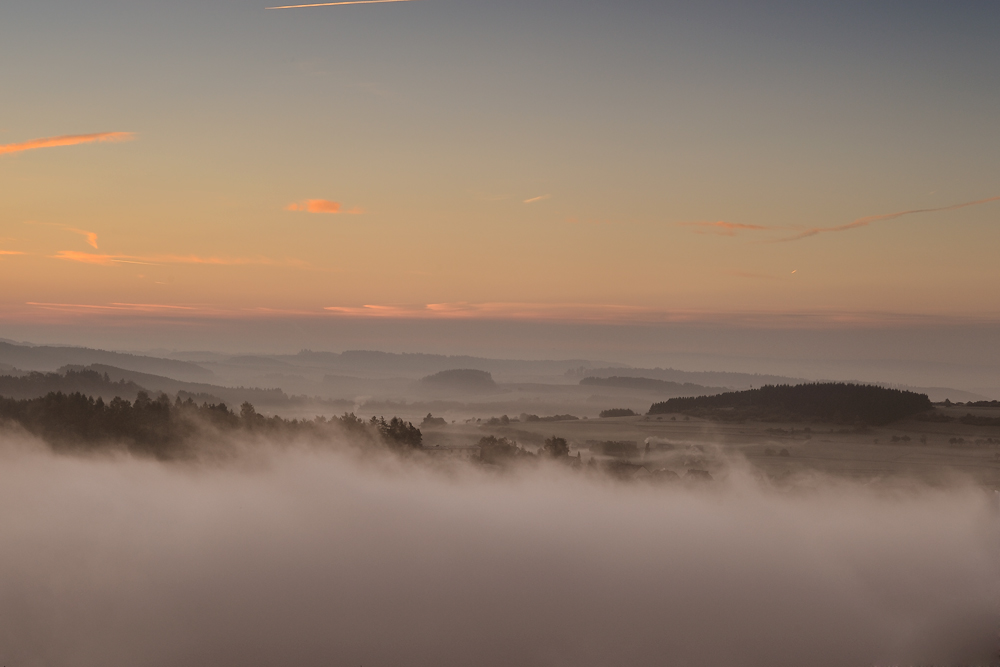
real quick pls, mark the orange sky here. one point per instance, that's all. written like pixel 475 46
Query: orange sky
pixel 407 161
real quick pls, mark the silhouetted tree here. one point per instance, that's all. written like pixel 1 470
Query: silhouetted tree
pixel 556 447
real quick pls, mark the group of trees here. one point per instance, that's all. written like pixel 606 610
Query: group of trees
pixel 617 412
pixel 166 429
pixel 828 402
pixel 500 451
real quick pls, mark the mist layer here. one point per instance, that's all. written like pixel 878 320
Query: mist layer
pixel 309 557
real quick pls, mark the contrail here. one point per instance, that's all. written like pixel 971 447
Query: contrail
pixel 334 4
pixel 864 222
pixel 534 199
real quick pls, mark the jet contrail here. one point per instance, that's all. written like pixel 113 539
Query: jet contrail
pixel 333 4
pixel 864 222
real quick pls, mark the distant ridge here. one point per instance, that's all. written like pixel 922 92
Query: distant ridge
pixel 713 379
pixel 421 364
pixel 48 359
pixel 651 385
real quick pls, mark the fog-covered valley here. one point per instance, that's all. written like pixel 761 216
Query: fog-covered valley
pixel 316 553
pixel 557 513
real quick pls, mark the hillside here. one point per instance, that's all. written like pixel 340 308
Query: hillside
pixel 828 402
pixel 727 380
pixel 90 382
pixel 46 358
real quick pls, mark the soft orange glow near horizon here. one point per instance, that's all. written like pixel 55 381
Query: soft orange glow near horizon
pixel 66 140
pixel 550 313
pixel 447 165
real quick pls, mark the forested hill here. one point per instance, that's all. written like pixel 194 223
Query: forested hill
pixel 828 402
pixel 88 382
pixel 167 430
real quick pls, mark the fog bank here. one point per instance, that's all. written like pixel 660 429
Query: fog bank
pixel 307 557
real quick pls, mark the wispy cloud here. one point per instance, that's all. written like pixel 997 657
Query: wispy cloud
pixel 92 258
pixel 90 236
pixel 335 4
pixel 620 314
pixel 67 140
pixel 11 252
pixel 111 260
pixel 141 307
pixel 322 206
pixel 864 222
pixel 505 311
pixel 534 199
pixel 723 228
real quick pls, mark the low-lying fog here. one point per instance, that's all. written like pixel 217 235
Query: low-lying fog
pixel 303 556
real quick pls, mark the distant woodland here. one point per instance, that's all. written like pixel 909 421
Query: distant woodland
pixel 87 382
pixel 827 402
pixel 168 430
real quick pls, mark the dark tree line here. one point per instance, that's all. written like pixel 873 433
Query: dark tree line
pixel 165 429
pixel 617 412
pixel 828 402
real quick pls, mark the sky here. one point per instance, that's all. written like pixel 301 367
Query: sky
pixel 546 161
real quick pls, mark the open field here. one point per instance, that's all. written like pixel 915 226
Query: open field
pixel 930 451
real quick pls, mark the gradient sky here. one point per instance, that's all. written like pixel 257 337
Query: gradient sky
pixel 608 161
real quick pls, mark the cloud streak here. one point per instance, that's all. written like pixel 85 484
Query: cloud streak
pixel 723 228
pixel 112 260
pixel 336 4
pixel 536 199
pixel 131 307
pixel 66 140
pixel 864 222
pixel 503 311
pixel 90 236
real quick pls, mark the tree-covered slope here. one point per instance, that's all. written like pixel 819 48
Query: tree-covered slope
pixel 828 402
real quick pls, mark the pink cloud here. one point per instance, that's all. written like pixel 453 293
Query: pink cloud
pixel 322 206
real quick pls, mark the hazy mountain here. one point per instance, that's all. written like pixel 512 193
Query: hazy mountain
pixel 651 385
pixel 705 378
pixel 47 359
